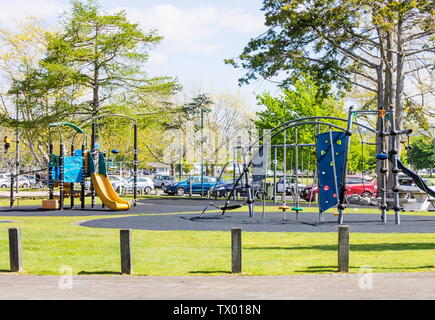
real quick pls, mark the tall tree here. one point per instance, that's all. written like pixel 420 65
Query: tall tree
pixel 25 105
pixel 105 54
pixel 376 45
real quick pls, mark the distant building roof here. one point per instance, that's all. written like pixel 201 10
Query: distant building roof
pixel 158 165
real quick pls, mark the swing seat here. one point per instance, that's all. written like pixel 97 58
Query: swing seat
pixel 283 208
pixel 297 209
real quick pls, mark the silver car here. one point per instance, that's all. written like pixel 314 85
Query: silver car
pixel 22 182
pixel 144 185
pixel 161 181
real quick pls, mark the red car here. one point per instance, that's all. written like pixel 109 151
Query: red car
pixel 355 184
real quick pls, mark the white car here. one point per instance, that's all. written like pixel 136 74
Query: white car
pixel 22 182
pixel 116 181
pixel 144 185
pixel 290 185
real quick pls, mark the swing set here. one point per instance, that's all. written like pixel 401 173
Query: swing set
pixel 332 149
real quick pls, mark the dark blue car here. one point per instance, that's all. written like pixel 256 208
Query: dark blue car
pixel 193 184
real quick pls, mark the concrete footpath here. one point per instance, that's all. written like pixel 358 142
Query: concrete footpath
pixel 333 286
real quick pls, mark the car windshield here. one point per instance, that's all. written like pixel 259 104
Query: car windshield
pixel 358 180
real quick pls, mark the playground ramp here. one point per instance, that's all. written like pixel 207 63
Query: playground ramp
pixel 107 194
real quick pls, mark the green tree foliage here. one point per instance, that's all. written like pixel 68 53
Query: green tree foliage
pixel 301 101
pixel 422 153
pixel 93 65
pixel 382 47
pixel 105 54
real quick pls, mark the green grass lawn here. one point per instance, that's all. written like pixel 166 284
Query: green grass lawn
pixel 52 242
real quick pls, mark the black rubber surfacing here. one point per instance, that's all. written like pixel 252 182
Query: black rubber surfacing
pixel 308 222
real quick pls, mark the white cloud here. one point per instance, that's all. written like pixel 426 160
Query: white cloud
pixel 192 29
pixel 158 57
pixel 15 11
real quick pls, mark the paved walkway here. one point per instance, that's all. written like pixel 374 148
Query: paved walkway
pixel 333 286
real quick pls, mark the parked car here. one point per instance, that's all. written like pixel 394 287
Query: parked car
pixel 23 182
pixel 225 187
pixel 364 186
pixel 144 185
pixel 193 184
pixel 408 185
pixel 36 181
pixel 5 176
pixel 290 186
pixel 161 181
pixel 115 181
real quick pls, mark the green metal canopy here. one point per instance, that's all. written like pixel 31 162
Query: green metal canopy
pixel 76 128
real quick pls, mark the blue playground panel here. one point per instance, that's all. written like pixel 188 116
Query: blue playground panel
pixel 327 187
pixel 72 170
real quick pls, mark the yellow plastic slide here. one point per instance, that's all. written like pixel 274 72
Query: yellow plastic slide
pixel 107 194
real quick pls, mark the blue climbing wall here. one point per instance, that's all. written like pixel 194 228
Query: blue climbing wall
pixel 327 186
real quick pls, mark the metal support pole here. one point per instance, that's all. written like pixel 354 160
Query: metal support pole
pixel 83 182
pixel 395 170
pixel 71 185
pixel 383 173
pixel 296 191
pixel 50 173
pixel 11 196
pixel 284 200
pixel 234 171
pixel 135 163
pixel 61 176
pixel 17 150
pixel 275 164
pixel 342 192
pixel 91 158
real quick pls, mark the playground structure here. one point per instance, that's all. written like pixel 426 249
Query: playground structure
pixel 64 171
pixel 332 151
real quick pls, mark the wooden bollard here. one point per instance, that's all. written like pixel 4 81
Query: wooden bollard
pixel 343 248
pixel 125 243
pixel 236 250
pixel 15 250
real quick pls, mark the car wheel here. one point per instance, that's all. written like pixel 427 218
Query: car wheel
pixel 181 192
pixel 3 186
pixel 24 185
pixel 147 190
pixel 366 194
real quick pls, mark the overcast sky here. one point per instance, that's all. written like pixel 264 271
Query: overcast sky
pixel 198 36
